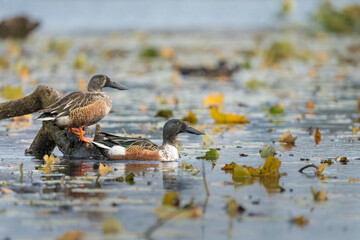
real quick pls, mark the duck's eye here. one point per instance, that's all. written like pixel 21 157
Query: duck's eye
pixel 102 78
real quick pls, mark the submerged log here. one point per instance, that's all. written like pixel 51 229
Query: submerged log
pixel 49 135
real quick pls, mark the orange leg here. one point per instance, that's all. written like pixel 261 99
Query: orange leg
pixel 76 131
pixel 82 138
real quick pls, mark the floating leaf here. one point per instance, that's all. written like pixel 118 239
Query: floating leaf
pixel 300 221
pixel 171 199
pixel 10 93
pixel 287 137
pixel 240 172
pixel 112 225
pixel 130 178
pixel 50 160
pixel 214 99
pixel 319 196
pixel 317 136
pixel 227 118
pixel 270 167
pixel 343 160
pixel 353 180
pixel 277 109
pixel 195 172
pixel 6 191
pixel 321 168
pixel 279 51
pixel 287 6
pixel 164 113
pixel 233 208
pixel 72 235
pixel 254 84
pixel 167 53
pixel 149 52
pixel 267 151
pixel 207 140
pixel 212 154
pixel 190 118
pixel 170 212
pixel 80 61
pixel 104 169
pixel 187 166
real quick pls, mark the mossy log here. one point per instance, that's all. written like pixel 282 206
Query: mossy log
pixel 49 135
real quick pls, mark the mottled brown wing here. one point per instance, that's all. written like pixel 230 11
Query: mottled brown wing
pixel 65 105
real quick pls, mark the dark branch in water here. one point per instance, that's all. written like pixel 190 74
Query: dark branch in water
pixel 307 166
pixel 49 135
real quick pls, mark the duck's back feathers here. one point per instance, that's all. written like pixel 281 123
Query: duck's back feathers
pixel 142 143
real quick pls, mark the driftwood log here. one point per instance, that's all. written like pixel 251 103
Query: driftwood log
pixel 49 135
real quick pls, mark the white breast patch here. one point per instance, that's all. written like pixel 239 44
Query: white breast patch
pixel 169 153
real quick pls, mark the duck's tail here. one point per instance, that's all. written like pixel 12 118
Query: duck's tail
pixel 108 151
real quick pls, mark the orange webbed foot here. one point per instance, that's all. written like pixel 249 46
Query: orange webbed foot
pixel 82 138
pixel 76 131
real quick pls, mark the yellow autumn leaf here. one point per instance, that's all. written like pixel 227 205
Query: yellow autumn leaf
pixel 6 191
pixel 353 180
pixel 167 53
pixel 10 93
pixel 287 137
pixel 227 118
pixel 72 235
pixel 207 140
pixel 50 160
pixel 321 168
pixel 300 221
pixel 104 169
pixel 319 196
pixel 47 170
pixel 317 136
pixel 214 99
pixel 190 118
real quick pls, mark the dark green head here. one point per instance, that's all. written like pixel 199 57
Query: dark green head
pixel 175 126
pixel 98 82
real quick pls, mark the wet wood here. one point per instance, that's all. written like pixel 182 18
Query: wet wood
pixel 49 136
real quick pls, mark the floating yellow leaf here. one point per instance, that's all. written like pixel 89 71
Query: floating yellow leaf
pixel 190 118
pixel 321 168
pixel 167 53
pixel 72 235
pixel 104 169
pixel 353 180
pixel 6 191
pixel 80 61
pixel 267 151
pixel 112 225
pixel 47 170
pixel 207 140
pixel 11 93
pixel 227 118
pixel 170 212
pixel 317 136
pixel 50 160
pixel 171 199
pixel 214 99
pixel 319 196
pixel 287 137
pixel 300 221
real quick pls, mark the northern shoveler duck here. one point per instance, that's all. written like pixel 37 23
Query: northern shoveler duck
pixel 81 109
pixel 128 148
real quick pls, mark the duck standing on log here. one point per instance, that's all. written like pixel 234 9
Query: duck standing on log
pixel 128 148
pixel 82 109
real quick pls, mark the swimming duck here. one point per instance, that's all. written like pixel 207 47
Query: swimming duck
pixel 81 109
pixel 128 148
